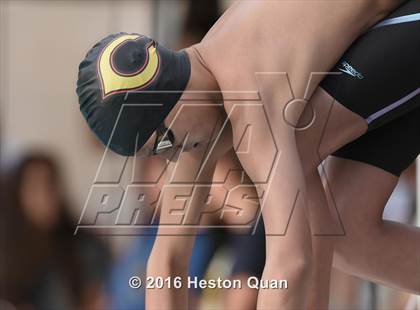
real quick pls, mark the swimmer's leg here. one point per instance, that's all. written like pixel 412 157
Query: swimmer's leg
pixel 244 298
pixel 381 251
pixel 288 251
pixel 333 125
pixel 285 195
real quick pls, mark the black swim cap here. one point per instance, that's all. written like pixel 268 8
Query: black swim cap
pixel 127 86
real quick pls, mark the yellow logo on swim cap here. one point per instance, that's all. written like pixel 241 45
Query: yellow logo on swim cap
pixel 114 81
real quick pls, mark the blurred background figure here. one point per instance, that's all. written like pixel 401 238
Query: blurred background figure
pixel 42 264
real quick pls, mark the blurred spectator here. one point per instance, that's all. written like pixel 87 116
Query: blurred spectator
pixel 42 264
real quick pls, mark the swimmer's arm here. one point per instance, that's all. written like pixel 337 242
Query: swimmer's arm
pixel 173 246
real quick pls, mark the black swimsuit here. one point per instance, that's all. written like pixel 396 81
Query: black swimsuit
pixel 380 81
pixel 380 72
